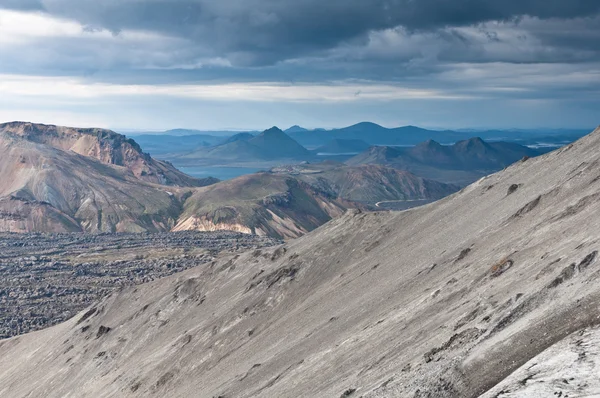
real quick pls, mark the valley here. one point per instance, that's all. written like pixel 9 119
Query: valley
pixel 48 278
pixel 451 299
pixel 428 227
pixel 62 179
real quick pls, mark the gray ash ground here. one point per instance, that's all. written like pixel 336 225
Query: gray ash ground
pixel 46 279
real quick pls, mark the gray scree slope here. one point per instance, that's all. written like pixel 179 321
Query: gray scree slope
pixel 447 300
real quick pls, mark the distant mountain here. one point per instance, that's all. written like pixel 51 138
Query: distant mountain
pixel 375 134
pixel 470 158
pixel 295 129
pixel 62 179
pixel 237 137
pixel 163 144
pixel 342 146
pixel 188 132
pixel 269 145
pixel 274 144
pixel 104 145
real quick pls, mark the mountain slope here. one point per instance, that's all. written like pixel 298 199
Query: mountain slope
pixel 368 184
pixel 49 190
pixel 264 204
pixel 445 300
pixel 275 144
pixel 105 146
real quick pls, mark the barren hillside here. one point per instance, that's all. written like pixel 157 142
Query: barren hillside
pixel 447 300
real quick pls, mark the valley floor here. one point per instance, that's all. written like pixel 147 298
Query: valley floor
pixel 48 278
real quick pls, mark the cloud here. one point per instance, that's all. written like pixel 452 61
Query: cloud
pixel 264 32
pixel 342 91
pixel 298 52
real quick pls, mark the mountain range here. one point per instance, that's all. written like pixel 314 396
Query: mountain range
pixel 61 179
pixel 375 134
pixel 174 144
pixel 461 163
pixel 490 292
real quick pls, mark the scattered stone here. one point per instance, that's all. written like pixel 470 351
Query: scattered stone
pixel 48 279
pixel 102 330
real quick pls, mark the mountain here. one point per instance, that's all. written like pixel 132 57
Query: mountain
pixel 274 143
pixel 163 144
pixel 368 184
pixel 295 129
pixel 375 134
pixel 271 144
pixel 105 146
pixel 263 204
pixel 342 147
pixel 237 137
pixel 460 163
pixel 46 189
pixel 60 179
pixel 490 292
pixel 290 201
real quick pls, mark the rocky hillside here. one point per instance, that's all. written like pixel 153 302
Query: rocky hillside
pixel 452 299
pixel 46 189
pixel 291 201
pixel 105 146
pixel 263 204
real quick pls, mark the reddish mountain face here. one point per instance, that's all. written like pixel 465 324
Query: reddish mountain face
pixel 106 146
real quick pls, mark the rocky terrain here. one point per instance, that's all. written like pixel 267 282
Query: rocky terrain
pixel 46 279
pixel 452 299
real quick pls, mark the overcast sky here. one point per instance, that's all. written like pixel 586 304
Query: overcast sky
pixel 223 64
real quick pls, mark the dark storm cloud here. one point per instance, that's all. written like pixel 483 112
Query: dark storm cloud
pixel 262 32
pixel 22 4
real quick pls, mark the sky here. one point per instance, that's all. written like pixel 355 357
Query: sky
pixel 250 64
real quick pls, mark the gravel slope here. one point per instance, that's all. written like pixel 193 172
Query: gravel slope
pixel 447 300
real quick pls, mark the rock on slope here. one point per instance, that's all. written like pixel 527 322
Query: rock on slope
pixel 105 146
pixel 445 300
